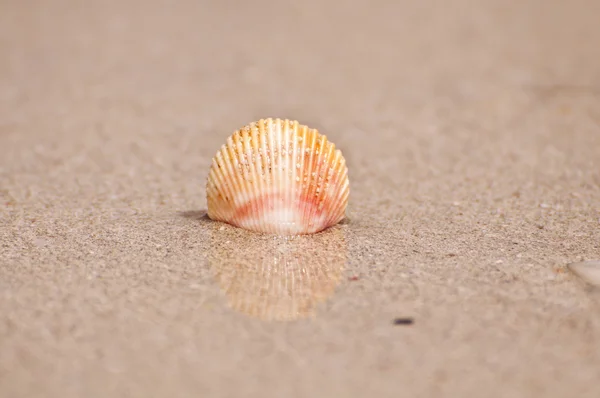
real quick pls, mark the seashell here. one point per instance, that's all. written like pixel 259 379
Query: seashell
pixel 278 177
pixel 589 271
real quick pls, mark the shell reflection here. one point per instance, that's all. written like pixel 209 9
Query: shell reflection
pixel 276 277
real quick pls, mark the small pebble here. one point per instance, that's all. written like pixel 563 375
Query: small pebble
pixel 404 321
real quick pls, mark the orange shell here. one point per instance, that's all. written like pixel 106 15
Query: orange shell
pixel 276 176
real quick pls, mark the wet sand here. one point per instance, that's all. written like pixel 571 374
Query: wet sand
pixel 472 137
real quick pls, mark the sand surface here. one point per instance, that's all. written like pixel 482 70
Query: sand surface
pixel 472 135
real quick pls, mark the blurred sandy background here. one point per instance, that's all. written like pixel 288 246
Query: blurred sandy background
pixel 471 131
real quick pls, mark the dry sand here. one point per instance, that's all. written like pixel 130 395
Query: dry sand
pixel 471 131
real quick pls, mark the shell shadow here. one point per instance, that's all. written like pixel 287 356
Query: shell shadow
pixel 200 215
pixel 276 278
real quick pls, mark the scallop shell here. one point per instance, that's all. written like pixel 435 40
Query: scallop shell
pixel 278 177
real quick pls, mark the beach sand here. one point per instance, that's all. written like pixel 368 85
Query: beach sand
pixel 472 136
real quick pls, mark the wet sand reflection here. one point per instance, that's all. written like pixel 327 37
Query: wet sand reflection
pixel 276 278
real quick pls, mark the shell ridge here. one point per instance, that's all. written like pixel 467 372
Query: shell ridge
pixel 289 173
pixel 302 172
pixel 294 193
pixel 281 171
pixel 233 165
pixel 306 210
pixel 211 189
pixel 346 186
pixel 267 176
pixel 230 160
pixel 338 169
pixel 285 204
pixel 258 169
pixel 332 186
pixel 285 129
pixel 214 212
pixel 272 173
pixel 228 168
pixel 280 175
pixel 257 185
pixel 243 199
pixel 274 208
pixel 223 165
pixel 247 174
pixel 256 174
pixel 321 190
pixel 343 189
pixel 326 197
pixel 314 197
